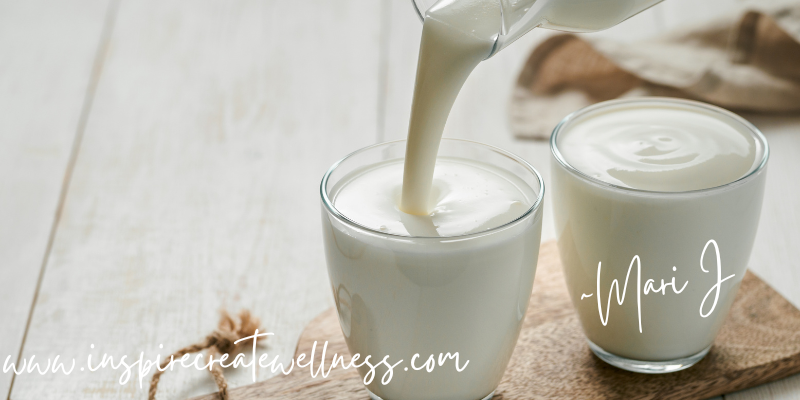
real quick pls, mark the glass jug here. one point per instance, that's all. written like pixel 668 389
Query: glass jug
pixel 518 17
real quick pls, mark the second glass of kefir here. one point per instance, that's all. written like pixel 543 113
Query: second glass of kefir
pixel 656 205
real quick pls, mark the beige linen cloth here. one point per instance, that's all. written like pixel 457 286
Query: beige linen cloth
pixel 747 63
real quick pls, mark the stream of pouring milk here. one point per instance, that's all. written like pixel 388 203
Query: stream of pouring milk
pixel 456 36
pixel 467 197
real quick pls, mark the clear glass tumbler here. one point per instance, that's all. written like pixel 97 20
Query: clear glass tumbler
pixel 398 296
pixel 701 237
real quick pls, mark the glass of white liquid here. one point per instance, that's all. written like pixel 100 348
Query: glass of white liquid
pixel 411 289
pixel 657 203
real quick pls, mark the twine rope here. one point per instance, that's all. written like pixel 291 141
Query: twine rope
pixel 221 341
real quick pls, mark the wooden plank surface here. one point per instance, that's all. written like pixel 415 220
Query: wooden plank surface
pixel 178 205
pixel 759 342
pixel 196 187
pixel 47 54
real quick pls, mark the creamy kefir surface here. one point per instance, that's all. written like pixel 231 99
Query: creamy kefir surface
pixel 466 197
pixel 658 148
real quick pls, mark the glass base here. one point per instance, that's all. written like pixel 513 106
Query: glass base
pixel 648 367
pixel 374 396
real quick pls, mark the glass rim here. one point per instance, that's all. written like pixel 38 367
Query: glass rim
pixel 331 208
pixel 759 137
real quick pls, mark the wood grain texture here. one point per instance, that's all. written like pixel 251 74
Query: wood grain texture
pixel 47 52
pixel 179 176
pixel 196 187
pixel 759 342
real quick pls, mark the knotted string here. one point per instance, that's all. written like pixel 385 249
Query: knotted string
pixel 221 341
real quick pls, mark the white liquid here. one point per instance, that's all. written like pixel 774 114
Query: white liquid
pixel 466 197
pixel 456 36
pixel 671 148
pixel 423 291
pixel 430 290
pixel 401 295
pixel 659 148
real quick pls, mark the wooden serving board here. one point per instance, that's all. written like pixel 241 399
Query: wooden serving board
pixel 759 343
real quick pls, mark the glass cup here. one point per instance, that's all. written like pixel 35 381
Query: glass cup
pixel 398 296
pixel 700 237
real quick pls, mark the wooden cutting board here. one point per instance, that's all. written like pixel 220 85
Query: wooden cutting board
pixel 759 343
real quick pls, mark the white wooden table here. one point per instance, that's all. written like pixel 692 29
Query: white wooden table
pixel 160 161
